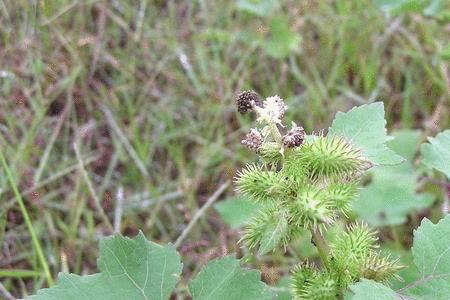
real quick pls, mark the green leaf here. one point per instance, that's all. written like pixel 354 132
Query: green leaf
pixel 431 251
pixel 391 195
pixel 436 153
pixel 282 41
pixel 259 8
pixel 371 290
pixel 385 203
pixel 406 275
pixel 284 285
pixel 236 211
pixel 273 235
pixel 365 127
pixel 224 279
pixel 129 269
pixel 405 143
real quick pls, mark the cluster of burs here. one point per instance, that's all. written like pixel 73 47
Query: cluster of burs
pixel 307 182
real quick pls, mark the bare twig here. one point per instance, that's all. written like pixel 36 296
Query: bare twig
pixel 140 20
pixel 200 212
pixel 112 123
pixel 149 202
pixel 51 142
pixel 98 40
pixel 98 205
pixel 119 209
pixel 321 246
pixel 49 180
pixel 61 12
pixel 5 293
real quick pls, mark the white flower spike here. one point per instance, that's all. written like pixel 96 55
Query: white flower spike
pixel 272 111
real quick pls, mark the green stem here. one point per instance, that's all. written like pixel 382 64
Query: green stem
pixel 321 246
pixel 275 132
pixel 397 240
pixel 30 228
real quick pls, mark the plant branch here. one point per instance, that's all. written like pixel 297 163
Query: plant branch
pixel 276 135
pixel 4 292
pixel 200 212
pixel 85 175
pixel 321 246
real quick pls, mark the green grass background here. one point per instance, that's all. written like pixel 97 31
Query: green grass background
pixel 146 89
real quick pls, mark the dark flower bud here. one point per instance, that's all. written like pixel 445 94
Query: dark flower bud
pixel 253 140
pixel 247 100
pixel 294 137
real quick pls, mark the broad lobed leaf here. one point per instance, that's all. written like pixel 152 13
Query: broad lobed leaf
pixel 129 269
pixel 365 127
pixel 139 269
pixel 371 290
pixel 431 251
pixel 224 279
pixel 436 153
pixel 273 235
pixel 391 195
pixel 236 211
pixel 282 41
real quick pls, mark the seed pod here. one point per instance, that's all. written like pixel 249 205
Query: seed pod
pixel 246 100
pixel 294 137
pixel 253 140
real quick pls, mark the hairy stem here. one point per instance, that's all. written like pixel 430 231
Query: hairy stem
pixel 321 246
pixel 276 135
pixel 397 239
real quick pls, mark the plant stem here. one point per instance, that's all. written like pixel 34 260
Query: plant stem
pixel 27 219
pixel 321 246
pixel 275 132
pixel 397 240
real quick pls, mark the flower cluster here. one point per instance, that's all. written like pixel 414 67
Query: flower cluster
pixel 247 101
pixel 294 137
pixel 269 113
pixel 253 140
pixel 306 182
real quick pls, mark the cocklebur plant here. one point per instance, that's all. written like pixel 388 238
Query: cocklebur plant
pixel 308 182
pixel 301 181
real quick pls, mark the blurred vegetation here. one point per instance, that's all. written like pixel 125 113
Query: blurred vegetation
pixel 145 89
